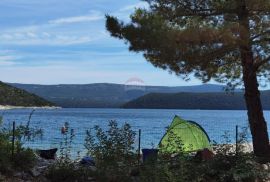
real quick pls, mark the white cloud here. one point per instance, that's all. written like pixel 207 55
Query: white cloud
pixel 7 60
pixel 56 32
pixel 124 12
pixel 93 16
pixel 50 34
pixel 44 39
pixel 134 6
pixel 6 51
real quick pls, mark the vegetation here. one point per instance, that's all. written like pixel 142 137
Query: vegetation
pixel 113 151
pixel 65 169
pixel 215 101
pixel 115 158
pixel 16 97
pixel 226 41
pixel 21 159
pixel 103 95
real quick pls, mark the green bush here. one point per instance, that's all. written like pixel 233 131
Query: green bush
pixel 66 169
pixel 22 159
pixel 69 172
pixel 113 150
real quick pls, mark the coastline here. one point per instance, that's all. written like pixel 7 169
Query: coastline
pixel 8 107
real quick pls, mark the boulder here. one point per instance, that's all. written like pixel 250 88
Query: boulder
pixel 35 172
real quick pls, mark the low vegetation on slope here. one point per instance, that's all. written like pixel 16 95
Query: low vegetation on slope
pixel 16 97
pixel 226 101
pixel 102 95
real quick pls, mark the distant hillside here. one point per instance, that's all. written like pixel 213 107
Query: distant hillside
pixel 103 94
pixel 16 97
pixel 209 101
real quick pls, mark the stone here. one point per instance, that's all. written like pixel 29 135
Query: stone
pixel 134 172
pixel 91 179
pixel 2 178
pixel 92 168
pixel 35 172
pixel 42 168
pixel 250 162
pixel 26 176
pixel 18 174
pixel 135 179
pixel 265 167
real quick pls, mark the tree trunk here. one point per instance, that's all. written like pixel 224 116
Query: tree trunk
pixel 258 126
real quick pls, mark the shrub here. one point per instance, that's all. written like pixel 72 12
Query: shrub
pixel 65 169
pixel 113 150
pixel 22 159
pixel 69 172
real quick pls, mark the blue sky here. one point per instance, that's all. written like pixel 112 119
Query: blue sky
pixel 65 41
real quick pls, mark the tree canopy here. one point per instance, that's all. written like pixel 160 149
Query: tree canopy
pixel 200 37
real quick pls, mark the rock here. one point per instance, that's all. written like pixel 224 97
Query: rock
pixel 88 161
pixel 18 174
pixel 135 179
pixel 92 168
pixel 2 178
pixel 42 168
pixel 35 172
pixel 42 179
pixel 91 179
pixel 26 176
pixel 265 166
pixel 134 172
pixel 250 162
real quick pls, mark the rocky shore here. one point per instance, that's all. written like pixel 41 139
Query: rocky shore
pixel 37 173
pixel 7 107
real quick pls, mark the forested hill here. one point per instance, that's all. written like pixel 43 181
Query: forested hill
pixel 17 97
pixel 218 101
pixel 104 94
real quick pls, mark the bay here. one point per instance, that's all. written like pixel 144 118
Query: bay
pixel 152 122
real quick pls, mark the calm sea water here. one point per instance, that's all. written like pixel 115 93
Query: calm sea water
pixel 152 122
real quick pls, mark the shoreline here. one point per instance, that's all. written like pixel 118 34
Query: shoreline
pixel 8 107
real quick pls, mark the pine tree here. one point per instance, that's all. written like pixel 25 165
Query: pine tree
pixel 222 40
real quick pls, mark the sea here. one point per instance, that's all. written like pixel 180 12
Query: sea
pixel 220 125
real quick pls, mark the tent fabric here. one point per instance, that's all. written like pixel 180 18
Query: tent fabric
pixel 186 136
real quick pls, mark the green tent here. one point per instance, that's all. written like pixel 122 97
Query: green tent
pixel 186 136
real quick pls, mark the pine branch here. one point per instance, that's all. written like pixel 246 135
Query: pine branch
pixel 261 34
pixel 206 12
pixel 266 39
pixel 213 54
pixel 257 65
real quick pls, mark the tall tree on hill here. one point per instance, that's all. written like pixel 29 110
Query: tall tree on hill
pixel 223 40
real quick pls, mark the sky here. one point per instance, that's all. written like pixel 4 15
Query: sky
pixel 66 42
